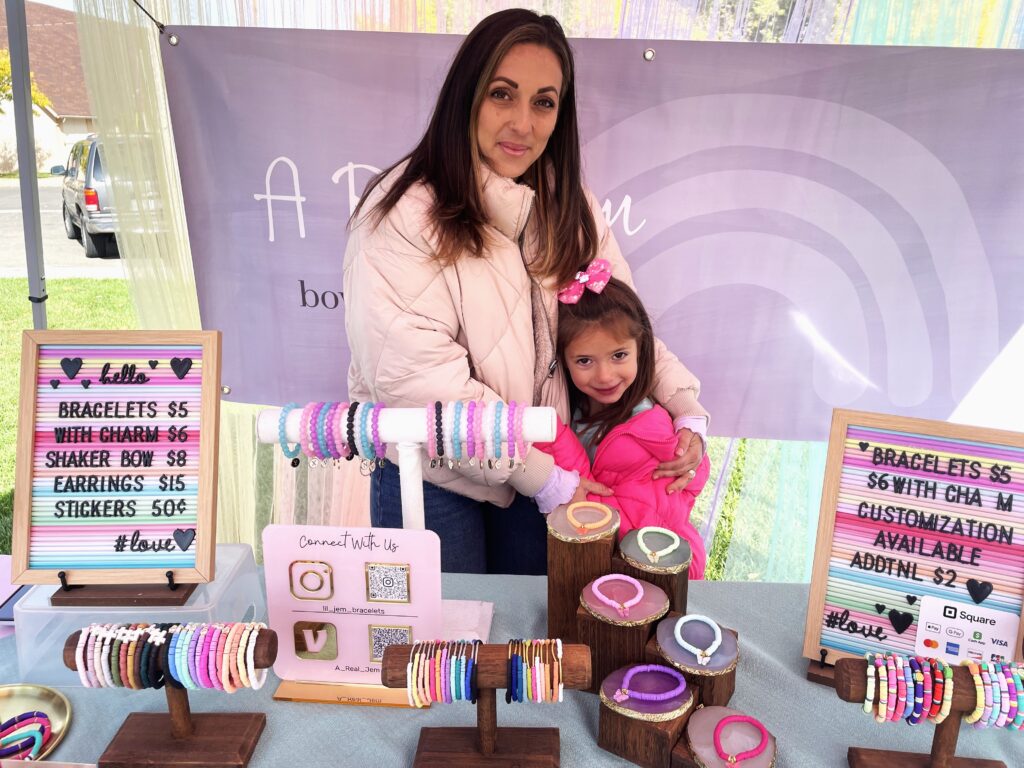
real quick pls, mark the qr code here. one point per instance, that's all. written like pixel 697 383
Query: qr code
pixel 382 637
pixel 387 583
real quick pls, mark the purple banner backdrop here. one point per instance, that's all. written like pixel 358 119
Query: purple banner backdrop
pixel 810 226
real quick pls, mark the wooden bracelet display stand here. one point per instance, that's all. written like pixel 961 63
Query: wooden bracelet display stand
pixel 179 738
pixel 574 561
pixel 617 642
pixel 487 744
pixel 671 573
pixel 644 738
pixel 851 685
pixel 711 687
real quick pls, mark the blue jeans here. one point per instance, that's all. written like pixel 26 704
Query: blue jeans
pixel 476 537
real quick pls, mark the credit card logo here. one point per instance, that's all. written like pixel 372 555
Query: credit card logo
pixel 953 649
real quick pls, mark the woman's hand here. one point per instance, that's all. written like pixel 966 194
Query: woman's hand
pixel 689 452
pixel 589 486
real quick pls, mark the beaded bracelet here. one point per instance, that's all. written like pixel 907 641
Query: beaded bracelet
pixel 869 695
pixel 993 685
pixel 321 430
pixel 448 429
pixel 520 442
pixel 704 655
pixel 439 428
pixel 947 692
pixel 499 406
pixel 883 688
pixel 350 430
pixel 510 429
pixel 893 688
pixel 622 608
pixel 470 432
pixel 901 690
pixel 340 418
pixel 938 688
pixel 457 432
pixel 478 433
pixel 1004 696
pixel 739 757
pixel 915 717
pixel 654 555
pixel 1018 720
pixel 926 672
pixel 986 681
pixel 624 692
pixel 282 423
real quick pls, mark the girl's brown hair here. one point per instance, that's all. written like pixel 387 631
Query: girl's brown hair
pixel 618 310
pixel 447 155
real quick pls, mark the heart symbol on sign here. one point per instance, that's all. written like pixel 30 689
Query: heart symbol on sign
pixel 86 383
pixel 184 538
pixel 180 366
pixel 911 599
pixel 900 621
pixel 863 446
pixel 154 363
pixel 879 608
pixel 979 590
pixel 71 366
pixel 54 383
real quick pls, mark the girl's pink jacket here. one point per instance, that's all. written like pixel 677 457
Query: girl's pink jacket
pixel 624 462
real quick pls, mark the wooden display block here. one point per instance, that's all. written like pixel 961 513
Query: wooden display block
pixel 573 562
pixel 682 757
pixel 645 743
pixel 218 740
pixel 109 595
pixel 885 758
pixel 611 646
pixel 513 748
pixel 676 585
pixel 712 688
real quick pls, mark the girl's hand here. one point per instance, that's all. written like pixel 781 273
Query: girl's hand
pixel 689 452
pixel 589 486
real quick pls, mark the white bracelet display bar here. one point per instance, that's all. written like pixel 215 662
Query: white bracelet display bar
pixel 406 428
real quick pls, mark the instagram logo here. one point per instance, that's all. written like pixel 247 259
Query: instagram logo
pixel 311 580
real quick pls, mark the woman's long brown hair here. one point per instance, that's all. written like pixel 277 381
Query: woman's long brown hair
pixel 618 310
pixel 447 155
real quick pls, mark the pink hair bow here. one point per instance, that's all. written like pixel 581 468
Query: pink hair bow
pixel 595 277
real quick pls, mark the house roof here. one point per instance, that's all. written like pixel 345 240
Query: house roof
pixel 54 57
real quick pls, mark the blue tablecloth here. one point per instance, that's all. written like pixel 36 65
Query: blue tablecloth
pixel 814 728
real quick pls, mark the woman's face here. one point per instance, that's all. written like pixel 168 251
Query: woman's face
pixel 519 109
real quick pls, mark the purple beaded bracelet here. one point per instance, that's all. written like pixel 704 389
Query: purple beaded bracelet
pixel 625 693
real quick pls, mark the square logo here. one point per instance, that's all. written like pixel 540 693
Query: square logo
pixel 315 640
pixel 953 649
pixel 311 580
pixel 949 611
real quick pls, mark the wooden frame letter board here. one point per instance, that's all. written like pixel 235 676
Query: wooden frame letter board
pixel 920 547
pixel 116 477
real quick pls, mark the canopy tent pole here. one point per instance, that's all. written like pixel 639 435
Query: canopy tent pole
pixel 21 87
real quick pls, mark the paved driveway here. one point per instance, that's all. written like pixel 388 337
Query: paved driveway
pixel 62 257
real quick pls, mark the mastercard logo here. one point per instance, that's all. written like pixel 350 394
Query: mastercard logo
pixel 929 643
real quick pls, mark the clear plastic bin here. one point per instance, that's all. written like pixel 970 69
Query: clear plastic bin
pixel 237 594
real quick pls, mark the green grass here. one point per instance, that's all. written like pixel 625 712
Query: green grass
pixel 723 530
pixel 73 304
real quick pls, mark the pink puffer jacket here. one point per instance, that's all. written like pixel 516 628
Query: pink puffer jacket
pixel 420 332
pixel 624 461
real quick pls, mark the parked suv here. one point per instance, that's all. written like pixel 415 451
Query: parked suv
pixel 88 203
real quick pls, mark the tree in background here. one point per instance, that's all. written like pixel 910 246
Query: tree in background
pixel 6 92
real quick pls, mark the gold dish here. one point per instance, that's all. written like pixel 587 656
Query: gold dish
pixel 25 697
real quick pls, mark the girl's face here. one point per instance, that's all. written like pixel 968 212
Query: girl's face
pixel 602 365
pixel 519 110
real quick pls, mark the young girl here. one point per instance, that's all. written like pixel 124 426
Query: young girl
pixel 618 434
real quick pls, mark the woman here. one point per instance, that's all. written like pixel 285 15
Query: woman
pixel 453 262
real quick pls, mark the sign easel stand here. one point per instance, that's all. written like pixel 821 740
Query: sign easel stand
pixel 851 685
pixel 120 595
pixel 487 744
pixel 179 738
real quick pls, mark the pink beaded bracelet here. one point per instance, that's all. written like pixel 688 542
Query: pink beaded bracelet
pixel 623 607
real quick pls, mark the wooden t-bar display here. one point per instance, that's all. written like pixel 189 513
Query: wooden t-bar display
pixel 179 738
pixel 851 685
pixel 488 745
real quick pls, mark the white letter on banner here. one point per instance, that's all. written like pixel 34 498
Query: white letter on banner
pixel 350 171
pixel 623 211
pixel 297 197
